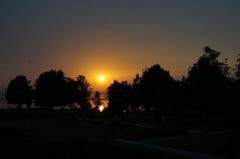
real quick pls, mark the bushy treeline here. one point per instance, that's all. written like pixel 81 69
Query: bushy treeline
pixel 51 89
pixel 208 86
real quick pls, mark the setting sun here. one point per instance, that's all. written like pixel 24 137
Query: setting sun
pixel 101 78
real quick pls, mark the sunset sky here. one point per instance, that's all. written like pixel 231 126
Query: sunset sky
pixel 114 38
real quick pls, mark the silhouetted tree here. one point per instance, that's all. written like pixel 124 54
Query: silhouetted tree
pixel 51 89
pixel 19 92
pixel 156 86
pixel 237 73
pixel 77 92
pixel 208 80
pixel 119 96
pixel 97 101
pixel 233 111
pixel 72 93
pixel 82 92
pixel 179 94
pixel 136 101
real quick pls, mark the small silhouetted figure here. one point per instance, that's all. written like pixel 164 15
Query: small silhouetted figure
pixel 114 125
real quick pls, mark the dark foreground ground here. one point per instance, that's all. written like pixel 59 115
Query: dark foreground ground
pixel 71 134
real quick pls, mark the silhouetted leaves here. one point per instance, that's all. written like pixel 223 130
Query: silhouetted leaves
pixel 137 101
pixel 19 91
pixel 51 89
pixel 97 100
pixel 208 79
pixel 119 96
pixel 207 87
pixel 156 86
pixel 81 92
pixel 237 73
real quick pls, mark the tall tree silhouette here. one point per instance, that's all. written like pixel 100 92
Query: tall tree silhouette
pixel 51 89
pixel 237 73
pixel 156 86
pixel 233 111
pixel 72 92
pixel 82 92
pixel 19 92
pixel 119 96
pixel 208 80
pixel 97 100
pixel 136 102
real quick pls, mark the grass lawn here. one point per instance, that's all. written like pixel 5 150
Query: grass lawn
pixel 53 137
pixel 216 144
pixel 58 133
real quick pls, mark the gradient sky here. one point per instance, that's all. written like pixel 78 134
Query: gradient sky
pixel 117 38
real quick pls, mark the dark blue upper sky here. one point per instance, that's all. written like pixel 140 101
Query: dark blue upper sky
pixel 118 38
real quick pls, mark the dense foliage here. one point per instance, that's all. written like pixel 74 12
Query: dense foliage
pixel 19 91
